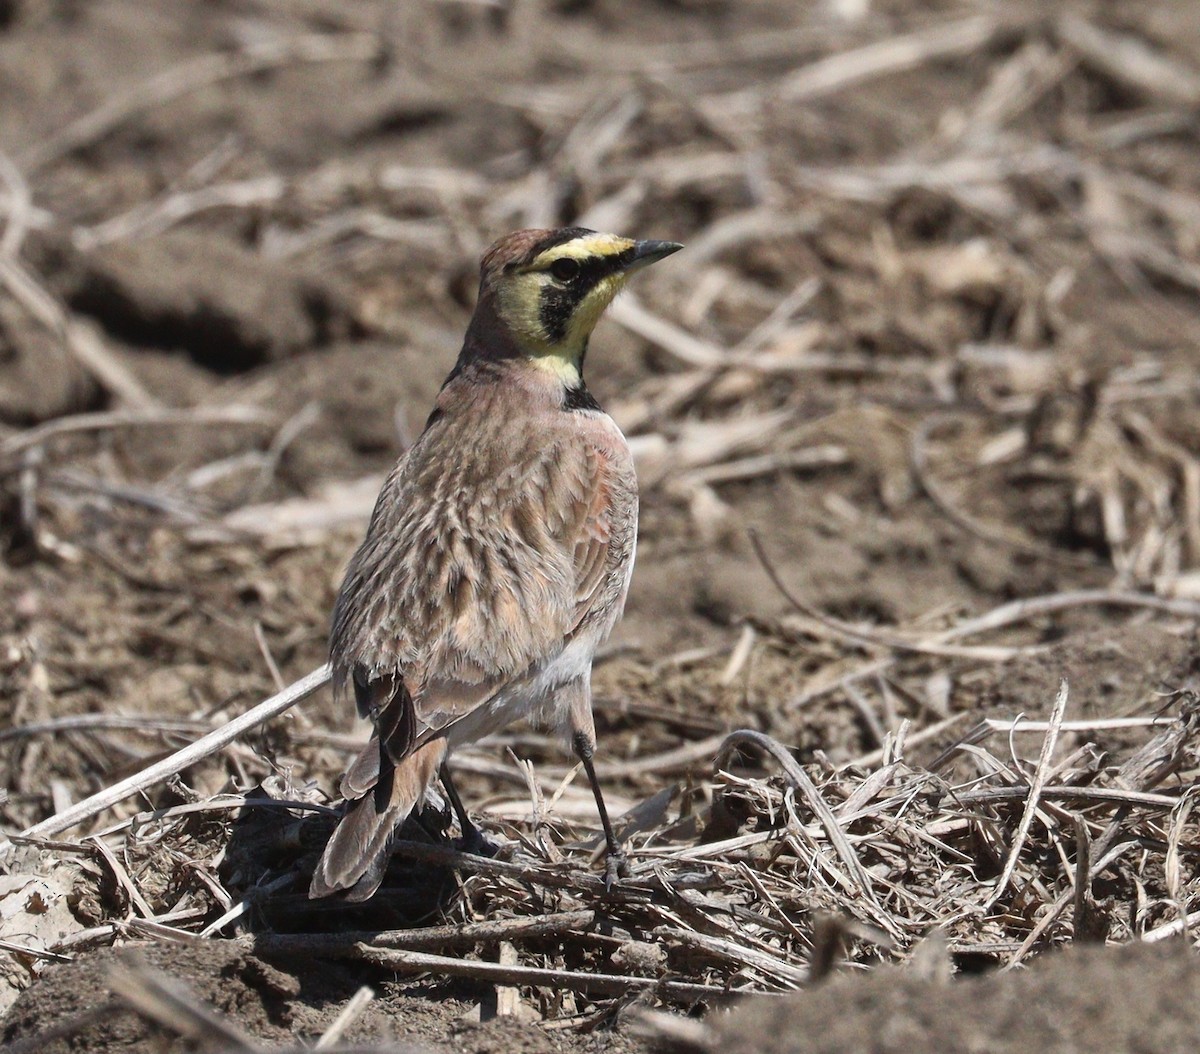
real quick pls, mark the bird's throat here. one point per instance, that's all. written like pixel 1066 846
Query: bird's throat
pixel 566 367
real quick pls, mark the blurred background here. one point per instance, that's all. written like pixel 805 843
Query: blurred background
pixel 933 336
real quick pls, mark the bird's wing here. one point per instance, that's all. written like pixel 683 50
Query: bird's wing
pixel 471 584
pixel 600 527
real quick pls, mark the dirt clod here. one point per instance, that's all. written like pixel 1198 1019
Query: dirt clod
pixel 226 307
pixel 1083 999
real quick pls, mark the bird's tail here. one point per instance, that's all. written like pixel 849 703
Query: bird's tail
pixel 356 855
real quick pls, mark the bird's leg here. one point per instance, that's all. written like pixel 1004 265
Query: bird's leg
pixel 583 739
pixel 473 839
pixel 615 864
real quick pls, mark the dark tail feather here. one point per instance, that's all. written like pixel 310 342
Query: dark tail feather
pixel 356 855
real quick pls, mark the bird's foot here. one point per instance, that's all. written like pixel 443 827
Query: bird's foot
pixel 616 866
pixel 476 843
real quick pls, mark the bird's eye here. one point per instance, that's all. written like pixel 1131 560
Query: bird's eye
pixel 565 269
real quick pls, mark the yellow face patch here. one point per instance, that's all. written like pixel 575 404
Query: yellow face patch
pixel 523 296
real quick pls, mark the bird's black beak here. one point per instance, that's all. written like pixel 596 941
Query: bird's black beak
pixel 648 252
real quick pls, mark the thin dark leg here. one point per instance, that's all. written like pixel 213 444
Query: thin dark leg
pixel 615 864
pixel 473 840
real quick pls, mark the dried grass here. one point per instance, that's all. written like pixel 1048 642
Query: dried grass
pixel 996 852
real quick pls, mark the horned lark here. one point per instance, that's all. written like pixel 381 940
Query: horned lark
pixel 500 550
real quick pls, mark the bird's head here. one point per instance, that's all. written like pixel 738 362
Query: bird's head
pixel 542 292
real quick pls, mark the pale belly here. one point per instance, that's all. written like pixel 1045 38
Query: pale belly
pixel 536 698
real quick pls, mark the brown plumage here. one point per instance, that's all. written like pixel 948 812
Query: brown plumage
pixel 499 553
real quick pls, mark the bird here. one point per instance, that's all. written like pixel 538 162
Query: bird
pixel 499 553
